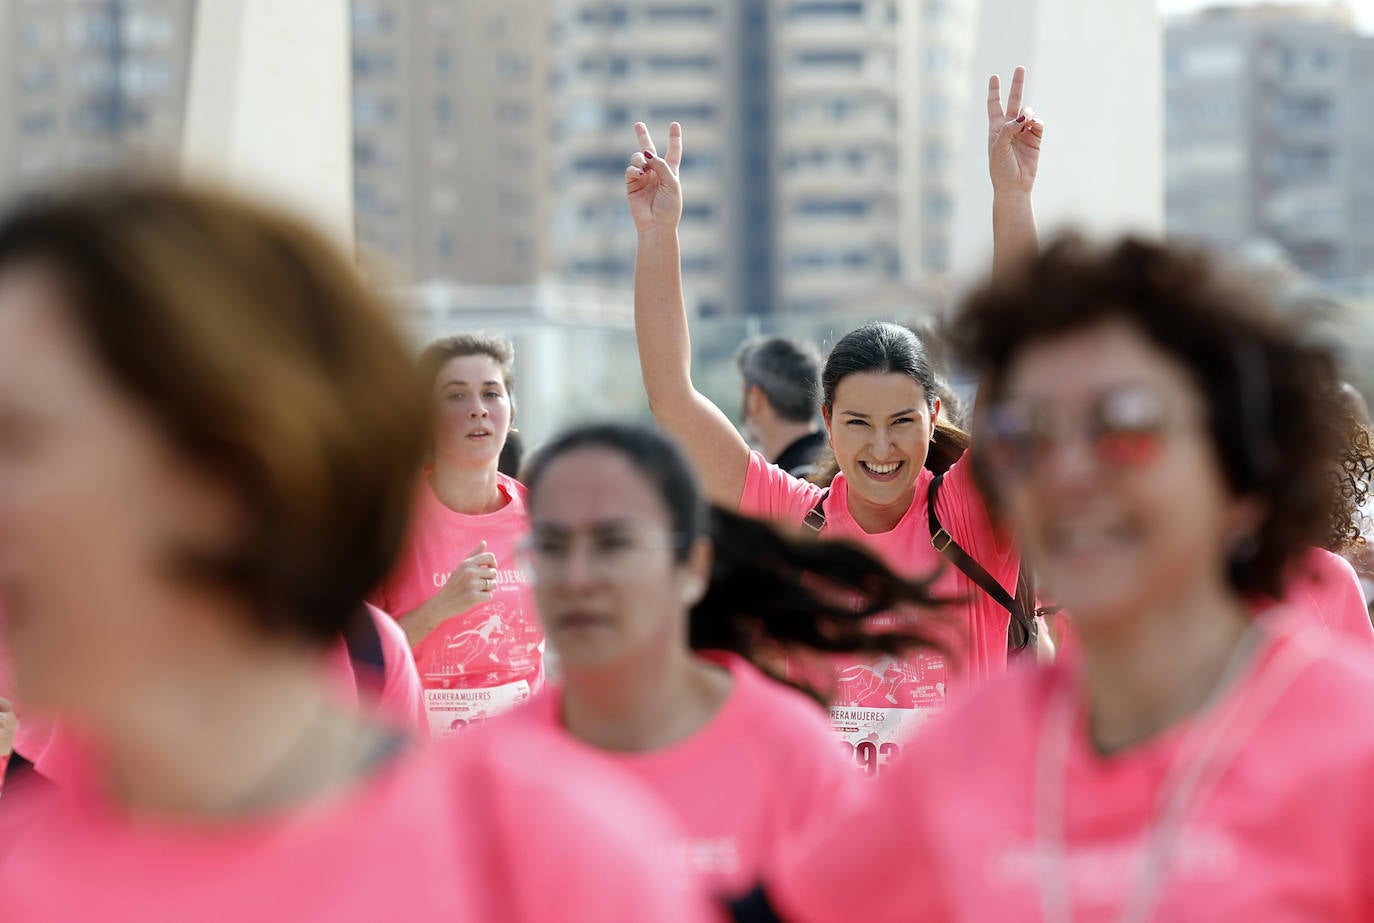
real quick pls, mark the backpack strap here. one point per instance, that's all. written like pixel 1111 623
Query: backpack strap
pixel 947 546
pixel 365 655
pixel 815 520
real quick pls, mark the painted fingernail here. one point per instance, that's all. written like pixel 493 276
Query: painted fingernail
pixel 649 154
pixel 1020 118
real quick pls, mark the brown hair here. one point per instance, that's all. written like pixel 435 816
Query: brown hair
pixel 262 358
pixel 438 353
pixel 1275 416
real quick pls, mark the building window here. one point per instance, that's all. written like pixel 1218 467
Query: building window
pixel 809 9
pixel 838 59
pixel 512 67
pixel 684 63
pixel 681 13
pixel 369 19
pixel 512 113
pixel 33 123
pixel 696 114
pixel 937 207
pixel 833 208
pixel 146 77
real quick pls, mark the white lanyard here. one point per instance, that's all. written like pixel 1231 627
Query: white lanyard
pixel 1201 759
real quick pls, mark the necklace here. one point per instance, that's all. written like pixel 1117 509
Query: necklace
pixel 1205 753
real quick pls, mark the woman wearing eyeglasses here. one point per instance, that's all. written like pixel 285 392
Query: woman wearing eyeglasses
pixel 881 414
pixel 1163 446
pixel 660 621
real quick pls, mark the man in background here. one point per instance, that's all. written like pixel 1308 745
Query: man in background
pixel 781 401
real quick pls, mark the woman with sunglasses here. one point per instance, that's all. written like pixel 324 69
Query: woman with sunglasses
pixel 207 446
pixel 881 414
pixel 455 589
pixel 659 620
pixel 1163 445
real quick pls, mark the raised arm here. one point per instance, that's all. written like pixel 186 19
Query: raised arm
pixel 717 451
pixel 1014 136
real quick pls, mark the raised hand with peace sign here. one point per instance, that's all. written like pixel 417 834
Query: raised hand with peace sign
pixel 1014 138
pixel 651 181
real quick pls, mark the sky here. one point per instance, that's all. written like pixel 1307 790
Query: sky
pixel 1364 9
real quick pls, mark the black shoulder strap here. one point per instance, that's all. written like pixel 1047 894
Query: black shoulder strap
pixel 815 520
pixel 365 651
pixel 947 546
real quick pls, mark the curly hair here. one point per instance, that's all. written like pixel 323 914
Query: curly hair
pixel 1281 430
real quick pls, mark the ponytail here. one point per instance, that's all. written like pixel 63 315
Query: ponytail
pixel 771 592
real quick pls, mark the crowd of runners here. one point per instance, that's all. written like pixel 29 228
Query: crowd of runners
pixel 284 638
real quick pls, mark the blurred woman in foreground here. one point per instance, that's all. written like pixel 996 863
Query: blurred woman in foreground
pixel 661 621
pixel 1165 448
pixel 207 445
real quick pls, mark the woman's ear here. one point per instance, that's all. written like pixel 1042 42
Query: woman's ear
pixel 698 571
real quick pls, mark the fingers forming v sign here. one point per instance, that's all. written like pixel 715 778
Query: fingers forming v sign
pixel 651 181
pixel 1014 136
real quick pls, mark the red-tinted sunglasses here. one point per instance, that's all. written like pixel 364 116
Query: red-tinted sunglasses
pixel 1124 426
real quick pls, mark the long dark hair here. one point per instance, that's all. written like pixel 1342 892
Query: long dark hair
pixel 768 591
pixel 884 347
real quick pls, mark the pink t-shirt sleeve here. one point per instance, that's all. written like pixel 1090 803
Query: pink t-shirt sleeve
pixel 401 699
pixel 1325 586
pixel 773 494
pixel 964 513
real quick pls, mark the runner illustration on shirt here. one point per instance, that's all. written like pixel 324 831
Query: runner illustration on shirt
pixel 466 647
pixel 887 682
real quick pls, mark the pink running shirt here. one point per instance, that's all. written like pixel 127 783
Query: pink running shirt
pixel 764 769
pixel 877 705
pixel 1325 585
pixel 483 832
pixel 399 696
pixel 1282 835
pixel 482 662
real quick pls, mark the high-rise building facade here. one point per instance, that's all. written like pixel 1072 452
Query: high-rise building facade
pixel 869 98
pixel 450 137
pixel 90 84
pixel 819 148
pixel 1268 134
pixel 653 61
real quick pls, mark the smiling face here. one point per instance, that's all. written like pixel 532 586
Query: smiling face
pixel 1116 518
pixel 93 499
pixel 472 411
pixel 880 428
pixel 607 579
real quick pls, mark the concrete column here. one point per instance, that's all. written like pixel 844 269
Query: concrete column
pixel 269 108
pixel 1096 79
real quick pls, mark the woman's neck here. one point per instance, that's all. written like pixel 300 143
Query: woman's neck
pixel 232 735
pixel 470 491
pixel 875 519
pixel 643 704
pixel 1162 666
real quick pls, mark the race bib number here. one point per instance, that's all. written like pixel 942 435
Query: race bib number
pixel 453 710
pixel 872 738
pixel 879 705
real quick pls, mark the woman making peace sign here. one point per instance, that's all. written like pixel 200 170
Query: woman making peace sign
pixel 880 409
